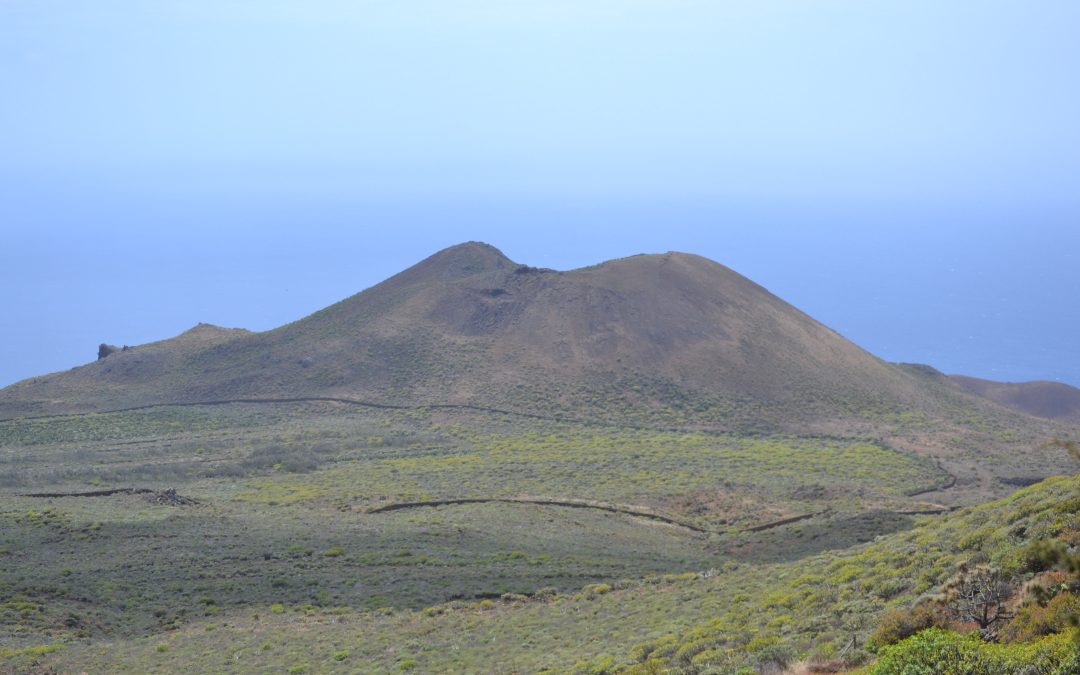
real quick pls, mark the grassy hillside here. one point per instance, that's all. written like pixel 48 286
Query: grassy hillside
pixel 707 619
pixel 287 499
pixel 285 560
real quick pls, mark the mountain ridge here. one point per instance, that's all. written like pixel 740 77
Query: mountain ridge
pixel 673 316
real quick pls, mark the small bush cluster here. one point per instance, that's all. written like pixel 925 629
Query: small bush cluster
pixel 940 651
pixel 900 624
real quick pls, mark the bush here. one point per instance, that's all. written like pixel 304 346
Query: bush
pixel 900 624
pixel 601 665
pixel 1034 620
pixel 280 457
pixel 593 590
pixel 546 593
pixel 774 658
pixel 940 651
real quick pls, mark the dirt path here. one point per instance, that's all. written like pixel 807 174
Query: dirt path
pixel 325 399
pixel 638 511
pixel 163 497
pixel 92 493
pixel 782 521
pixel 467 407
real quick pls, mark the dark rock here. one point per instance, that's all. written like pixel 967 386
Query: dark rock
pixel 104 350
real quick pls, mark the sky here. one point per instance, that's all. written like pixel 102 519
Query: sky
pixel 904 171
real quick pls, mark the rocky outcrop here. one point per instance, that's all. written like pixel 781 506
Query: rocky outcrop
pixel 104 350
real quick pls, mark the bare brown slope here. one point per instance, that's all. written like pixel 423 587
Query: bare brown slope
pixel 1053 400
pixel 116 381
pixel 468 325
pixel 672 319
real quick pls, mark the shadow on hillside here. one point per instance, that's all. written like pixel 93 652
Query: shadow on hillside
pixel 818 534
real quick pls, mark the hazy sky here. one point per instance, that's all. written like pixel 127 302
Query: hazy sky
pixel 905 171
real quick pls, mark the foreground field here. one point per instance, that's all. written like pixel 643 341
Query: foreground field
pixel 277 550
pixel 710 621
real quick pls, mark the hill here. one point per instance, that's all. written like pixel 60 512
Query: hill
pixel 1053 400
pixel 651 341
pixel 469 326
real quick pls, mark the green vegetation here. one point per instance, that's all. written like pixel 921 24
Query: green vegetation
pixel 163 423
pixel 729 617
pixel 281 562
pixel 826 601
pixel 938 651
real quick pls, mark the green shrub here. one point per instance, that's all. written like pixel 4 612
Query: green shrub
pixel 1035 620
pixel 546 593
pixel 592 590
pixel 900 624
pixel 601 665
pixel 935 651
pixel 38 650
pixel 775 657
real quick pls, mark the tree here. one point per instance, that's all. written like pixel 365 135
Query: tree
pixel 980 595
